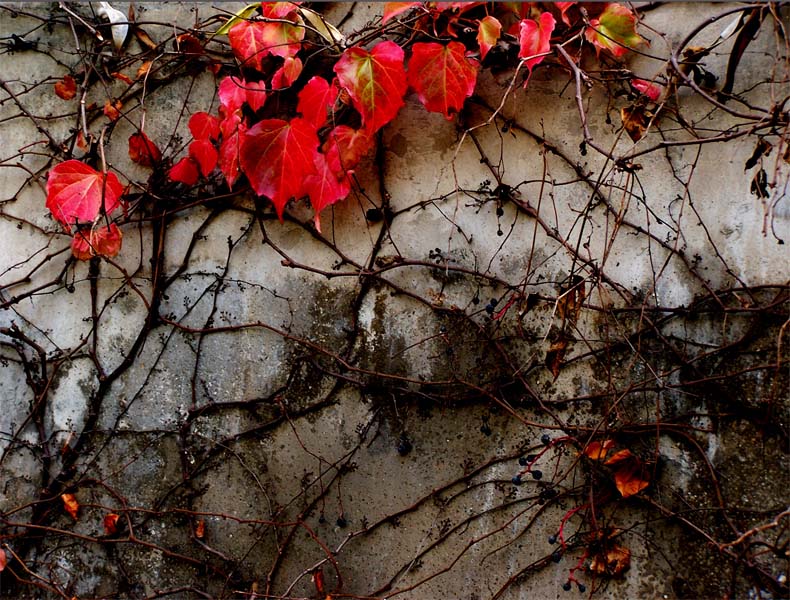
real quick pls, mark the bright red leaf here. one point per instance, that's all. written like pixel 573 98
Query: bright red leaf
pixel 534 39
pixel 98 241
pixel 142 150
pixel 204 126
pixel 111 523
pixel 564 6
pixel 232 94
pixel 277 156
pixel 324 188
pixel 375 80
pixel 66 88
pixel 256 93
pixel 205 155
pixel 344 148
pixel 3 560
pixel 488 34
pixel 614 30
pixel 442 76
pixel 71 505
pixel 278 10
pixel 393 9
pixel 252 41
pixel 232 131
pixel 287 73
pixel 184 171
pixel 75 192
pixel 648 88
pixel 315 98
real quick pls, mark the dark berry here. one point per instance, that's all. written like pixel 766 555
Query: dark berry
pixel 485 429
pixel 556 556
pixel 404 447
pixel 531 458
pixel 566 586
pixel 523 461
pixel 321 519
pixel 516 480
pixel 545 439
pixel 552 539
pixel 341 522
pixel 537 474
pixel 582 587
pixel 490 309
pixel 493 302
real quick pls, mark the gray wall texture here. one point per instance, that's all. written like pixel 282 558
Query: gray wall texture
pixel 259 403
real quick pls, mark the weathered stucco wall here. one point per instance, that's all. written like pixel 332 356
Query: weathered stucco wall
pixel 346 401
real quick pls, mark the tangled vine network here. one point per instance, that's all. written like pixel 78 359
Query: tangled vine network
pixel 405 300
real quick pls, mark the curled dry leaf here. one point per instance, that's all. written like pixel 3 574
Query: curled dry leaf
pixel 630 475
pixel 144 69
pixel 555 356
pixel 636 120
pixel 66 88
pixel 143 151
pixel 200 529
pixel 189 44
pixel 71 505
pixel 111 523
pixel 112 110
pixel 121 77
pixel 611 562
pixel 597 450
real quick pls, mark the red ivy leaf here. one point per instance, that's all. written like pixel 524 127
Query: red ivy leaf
pixel 315 98
pixel 287 73
pixel 564 6
pixel 375 80
pixel 111 523
pixel 205 155
pixel 614 30
pixel 204 126
pixel 247 40
pixel 232 94
pixel 534 38
pixel 71 505
pixel 324 188
pixel 66 88
pixel 648 88
pixel 393 9
pixel 142 150
pixel 75 192
pixel 345 147
pixel 3 560
pixel 232 131
pixel 276 156
pixel 184 171
pixel 278 10
pixel 256 93
pixel 442 76
pixel 101 241
pixel 488 34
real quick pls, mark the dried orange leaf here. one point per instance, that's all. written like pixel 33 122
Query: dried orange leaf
pixel 620 456
pixel 200 529
pixel 636 119
pixel 555 356
pixel 144 39
pixel 629 480
pixel 71 505
pixel 112 110
pixel 189 44
pixel 66 88
pixel 120 76
pixel 111 523
pixel 598 450
pixel 144 69
pixel 612 562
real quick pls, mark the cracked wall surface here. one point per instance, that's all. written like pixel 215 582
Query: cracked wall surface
pixel 259 401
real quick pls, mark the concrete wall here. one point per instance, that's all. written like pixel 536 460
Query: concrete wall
pixel 369 415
